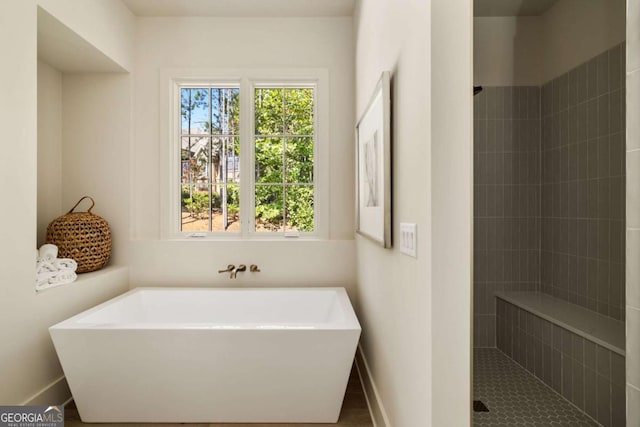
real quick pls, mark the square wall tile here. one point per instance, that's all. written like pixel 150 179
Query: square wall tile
pixel 603 73
pixel 618 376
pixel 590 393
pixel 604 401
pixel 567 378
pixel 592 78
pixel 615 65
pixel 578 384
pixel 618 406
pixel 603 362
pixel 590 354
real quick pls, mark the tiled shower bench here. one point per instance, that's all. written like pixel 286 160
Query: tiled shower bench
pixel 577 352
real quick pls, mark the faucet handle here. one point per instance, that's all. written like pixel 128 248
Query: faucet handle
pixel 242 267
pixel 254 268
pixel 230 268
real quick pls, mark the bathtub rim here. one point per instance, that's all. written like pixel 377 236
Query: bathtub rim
pixel 349 323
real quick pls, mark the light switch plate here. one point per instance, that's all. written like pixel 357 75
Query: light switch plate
pixel 408 238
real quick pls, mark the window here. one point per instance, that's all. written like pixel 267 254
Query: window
pixel 209 159
pixel 283 141
pixel 248 163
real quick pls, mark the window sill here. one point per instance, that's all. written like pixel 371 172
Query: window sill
pixel 248 240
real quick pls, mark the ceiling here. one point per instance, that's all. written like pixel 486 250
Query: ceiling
pixel 241 8
pixel 511 7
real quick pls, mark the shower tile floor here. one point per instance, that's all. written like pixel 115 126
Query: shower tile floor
pixel 517 398
pixel 355 413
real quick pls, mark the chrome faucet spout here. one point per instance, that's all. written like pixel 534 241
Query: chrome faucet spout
pixel 241 267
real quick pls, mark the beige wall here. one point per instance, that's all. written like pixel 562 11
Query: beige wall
pixel 507 51
pixel 409 306
pixel 107 24
pixel 29 368
pixel 394 302
pixel 523 51
pixel 573 31
pixel 49 147
pixel 278 43
pixel 96 126
pixel 76 157
pixel 452 211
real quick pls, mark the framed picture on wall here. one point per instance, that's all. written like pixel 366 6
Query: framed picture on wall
pixel 373 156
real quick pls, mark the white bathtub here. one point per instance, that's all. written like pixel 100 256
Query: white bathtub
pixel 211 355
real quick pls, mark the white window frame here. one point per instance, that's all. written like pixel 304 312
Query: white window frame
pixel 171 80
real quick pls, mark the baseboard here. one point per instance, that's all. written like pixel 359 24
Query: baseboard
pixel 376 409
pixel 56 393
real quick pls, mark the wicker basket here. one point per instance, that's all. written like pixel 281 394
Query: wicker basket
pixel 83 237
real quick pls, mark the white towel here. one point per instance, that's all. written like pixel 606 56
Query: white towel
pixel 43 267
pixel 52 271
pixel 63 277
pixel 48 252
pixel 42 278
pixel 65 264
pixel 54 279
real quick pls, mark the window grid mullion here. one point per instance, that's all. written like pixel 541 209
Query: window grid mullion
pixel 247 187
pixel 223 183
pixel 284 135
pixel 290 184
pixel 209 165
pixel 284 163
pixel 284 184
pixel 205 135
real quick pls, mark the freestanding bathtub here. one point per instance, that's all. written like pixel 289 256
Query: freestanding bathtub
pixel 211 355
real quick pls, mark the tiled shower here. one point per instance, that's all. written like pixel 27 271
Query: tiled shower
pixel 549 217
pixel 583 185
pixel 506 200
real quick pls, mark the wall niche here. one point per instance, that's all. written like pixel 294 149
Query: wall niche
pixel 84 131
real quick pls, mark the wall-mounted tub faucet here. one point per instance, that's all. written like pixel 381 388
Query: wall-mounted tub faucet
pixel 234 271
pixel 229 269
pixel 241 267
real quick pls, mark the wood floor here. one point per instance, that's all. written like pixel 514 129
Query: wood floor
pixel 354 413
